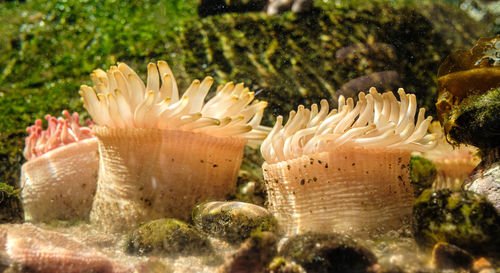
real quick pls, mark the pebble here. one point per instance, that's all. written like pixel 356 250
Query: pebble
pixel 252 256
pixel 232 221
pixel 332 252
pixel 166 237
pixel 448 256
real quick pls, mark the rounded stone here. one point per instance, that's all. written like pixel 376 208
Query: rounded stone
pixel 166 237
pixel 232 221
pixel 487 182
pixel 254 253
pixel 332 252
pixel 448 256
pixel 465 219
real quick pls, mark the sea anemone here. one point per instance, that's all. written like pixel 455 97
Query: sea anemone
pixel 345 170
pixel 162 153
pixel 454 164
pixel 59 179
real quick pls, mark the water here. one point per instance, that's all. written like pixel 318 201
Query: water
pixel 316 51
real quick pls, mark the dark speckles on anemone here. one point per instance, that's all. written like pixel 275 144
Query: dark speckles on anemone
pixel 342 170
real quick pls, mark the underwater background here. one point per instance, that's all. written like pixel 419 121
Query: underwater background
pixel 322 51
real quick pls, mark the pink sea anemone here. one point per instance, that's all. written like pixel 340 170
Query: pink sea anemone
pixel 345 170
pixel 59 179
pixel 162 153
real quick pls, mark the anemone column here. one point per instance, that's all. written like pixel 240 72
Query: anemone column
pixel 151 173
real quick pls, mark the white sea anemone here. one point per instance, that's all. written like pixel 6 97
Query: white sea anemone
pixel 377 120
pixel 453 164
pixel 120 99
pixel 346 170
pixel 60 177
pixel 162 153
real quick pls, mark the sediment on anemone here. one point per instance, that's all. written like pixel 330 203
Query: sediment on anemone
pixel 453 163
pixel 60 177
pixel 162 153
pixel 347 169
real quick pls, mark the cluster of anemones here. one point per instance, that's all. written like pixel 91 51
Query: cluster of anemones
pixel 377 120
pixel 60 131
pixel 120 99
pixel 161 153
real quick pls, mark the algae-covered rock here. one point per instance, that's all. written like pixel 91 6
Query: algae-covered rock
pixel 466 71
pixel 475 120
pixel 468 106
pixel 460 35
pixel 465 219
pixel 422 174
pixel 232 221
pixel 166 237
pixel 11 144
pixel 468 101
pixel 253 255
pixel 317 252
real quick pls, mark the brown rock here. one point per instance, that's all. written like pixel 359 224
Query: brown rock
pixel 448 256
pixel 253 255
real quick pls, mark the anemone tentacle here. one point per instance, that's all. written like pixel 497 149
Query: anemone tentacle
pixel 120 99
pixel 60 131
pixel 377 120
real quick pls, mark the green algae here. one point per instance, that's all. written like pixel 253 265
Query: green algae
pixel 292 58
pixel 10 204
pixel 475 121
pixel 465 219
pixel 166 237
pixel 422 174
